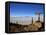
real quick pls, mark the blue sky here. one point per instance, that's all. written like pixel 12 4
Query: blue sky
pixel 17 9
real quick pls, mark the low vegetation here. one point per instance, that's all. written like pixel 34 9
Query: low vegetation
pixel 37 26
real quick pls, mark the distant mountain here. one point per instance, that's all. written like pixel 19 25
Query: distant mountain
pixel 25 20
pixel 21 20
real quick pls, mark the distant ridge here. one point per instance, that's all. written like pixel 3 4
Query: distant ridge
pixel 23 19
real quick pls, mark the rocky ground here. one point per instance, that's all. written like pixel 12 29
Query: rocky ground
pixel 36 26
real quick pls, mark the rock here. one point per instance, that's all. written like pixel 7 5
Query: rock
pixel 38 24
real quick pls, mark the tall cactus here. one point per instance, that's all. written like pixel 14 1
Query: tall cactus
pixel 39 13
pixel 32 19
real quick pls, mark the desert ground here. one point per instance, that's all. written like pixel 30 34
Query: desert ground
pixel 35 26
